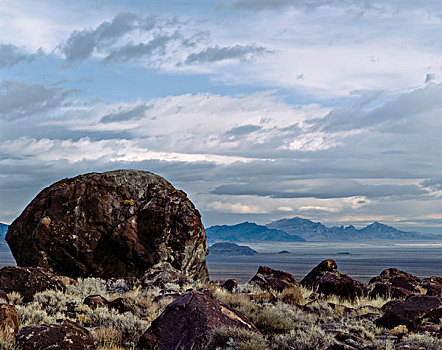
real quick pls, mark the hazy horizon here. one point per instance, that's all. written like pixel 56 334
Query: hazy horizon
pixel 258 110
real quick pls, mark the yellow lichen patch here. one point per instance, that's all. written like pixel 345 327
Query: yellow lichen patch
pixel 74 181
pixel 129 202
pixel 62 185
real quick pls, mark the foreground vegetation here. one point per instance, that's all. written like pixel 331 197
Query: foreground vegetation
pixel 287 320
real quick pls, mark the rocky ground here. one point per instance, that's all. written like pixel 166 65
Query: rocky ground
pixel 167 310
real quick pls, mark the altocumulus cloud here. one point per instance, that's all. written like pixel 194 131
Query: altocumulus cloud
pixel 11 55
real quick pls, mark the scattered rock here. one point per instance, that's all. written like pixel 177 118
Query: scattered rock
pixel 113 224
pixel 28 280
pixel 230 284
pixel 9 322
pixel 163 274
pixel 60 336
pixel 270 279
pixel 327 280
pixel 189 321
pixel 166 299
pixel 394 283
pixel 409 312
pixel 94 301
pixel 122 305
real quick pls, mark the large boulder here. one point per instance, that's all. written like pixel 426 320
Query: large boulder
pixel 394 283
pixel 29 280
pixel 271 279
pixel 189 321
pixel 113 224
pixel 327 280
pixel 58 336
pixel 410 312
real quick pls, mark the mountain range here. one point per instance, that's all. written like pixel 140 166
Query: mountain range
pixel 299 229
pixel 249 232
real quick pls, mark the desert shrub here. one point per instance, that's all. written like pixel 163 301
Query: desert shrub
pixel 292 296
pixel 130 326
pixel 31 314
pixel 118 286
pixel 426 341
pixel 15 298
pixel 88 286
pixel 268 320
pixel 297 316
pixel 236 338
pixel 313 338
pixel 248 288
pixel 54 302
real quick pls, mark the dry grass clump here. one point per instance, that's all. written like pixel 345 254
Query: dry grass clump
pixel 425 341
pixel 130 326
pixel 15 298
pixel 268 320
pixel 292 296
pixel 311 338
pixel 235 338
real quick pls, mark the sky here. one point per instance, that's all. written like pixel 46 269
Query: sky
pixel 259 110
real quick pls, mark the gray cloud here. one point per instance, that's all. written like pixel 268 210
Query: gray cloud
pixel 137 51
pixel 81 44
pixel 258 5
pixel 329 189
pixel 433 183
pixel 11 55
pixel 217 53
pixel 20 99
pixel 243 130
pixel 362 114
pixel 126 115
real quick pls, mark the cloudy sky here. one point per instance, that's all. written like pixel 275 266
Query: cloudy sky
pixel 259 109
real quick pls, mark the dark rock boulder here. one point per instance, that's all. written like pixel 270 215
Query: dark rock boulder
pixel 271 279
pixel 188 323
pixel 394 283
pixel 62 336
pixel 4 296
pixel 230 284
pixel 433 286
pixel 113 224
pixel 28 280
pixel 409 312
pixel 327 280
pixel 122 305
pixel 9 323
pixel 95 301
pixel 163 274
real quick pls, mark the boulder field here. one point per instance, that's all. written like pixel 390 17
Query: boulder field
pixel 113 224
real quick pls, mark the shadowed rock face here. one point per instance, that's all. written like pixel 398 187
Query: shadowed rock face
pixel 112 224
pixel 394 283
pixel 410 312
pixel 326 279
pixel 271 279
pixel 188 323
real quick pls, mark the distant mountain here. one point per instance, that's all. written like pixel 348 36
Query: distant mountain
pixel 230 249
pixel 248 232
pixel 315 231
